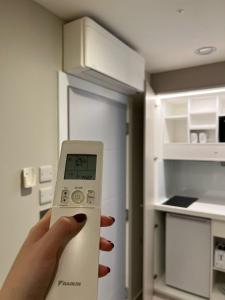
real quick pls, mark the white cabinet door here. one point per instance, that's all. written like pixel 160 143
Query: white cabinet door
pixel 97 118
pixel 188 253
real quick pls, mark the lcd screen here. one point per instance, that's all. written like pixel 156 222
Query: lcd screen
pixel 80 166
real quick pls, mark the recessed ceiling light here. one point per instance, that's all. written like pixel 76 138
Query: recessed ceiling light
pixel 180 11
pixel 205 50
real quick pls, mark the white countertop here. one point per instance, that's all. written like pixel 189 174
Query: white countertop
pixel 212 207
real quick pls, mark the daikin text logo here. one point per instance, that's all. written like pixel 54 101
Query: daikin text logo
pixel 69 283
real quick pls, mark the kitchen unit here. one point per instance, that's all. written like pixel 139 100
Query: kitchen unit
pixel 186 155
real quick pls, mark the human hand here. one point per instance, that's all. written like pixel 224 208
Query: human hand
pixel 35 266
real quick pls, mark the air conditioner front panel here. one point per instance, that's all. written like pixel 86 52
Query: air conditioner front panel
pixel 108 55
pixel 92 51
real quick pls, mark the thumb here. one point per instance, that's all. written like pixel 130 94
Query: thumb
pixel 62 232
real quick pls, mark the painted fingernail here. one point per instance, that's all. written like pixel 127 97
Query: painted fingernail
pixel 111 243
pixel 113 219
pixel 80 218
pixel 108 269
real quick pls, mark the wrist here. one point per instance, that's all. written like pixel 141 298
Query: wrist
pixel 10 294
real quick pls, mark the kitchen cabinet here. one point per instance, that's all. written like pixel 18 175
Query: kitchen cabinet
pixel 189 116
pixel 175 165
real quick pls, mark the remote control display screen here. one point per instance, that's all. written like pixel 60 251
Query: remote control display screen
pixel 80 166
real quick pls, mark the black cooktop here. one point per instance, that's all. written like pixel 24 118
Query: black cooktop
pixel 180 201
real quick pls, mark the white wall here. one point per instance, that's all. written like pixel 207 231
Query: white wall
pixel 197 178
pixel 30 56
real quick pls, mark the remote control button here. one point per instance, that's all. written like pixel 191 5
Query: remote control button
pixel 65 193
pixel 77 197
pixel 91 197
pixel 90 200
pixel 65 197
pixel 64 200
pixel 91 193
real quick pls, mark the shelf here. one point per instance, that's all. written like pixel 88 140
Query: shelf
pixel 176 130
pixel 203 127
pixel 206 112
pixel 162 289
pixel 176 117
pixel 203 103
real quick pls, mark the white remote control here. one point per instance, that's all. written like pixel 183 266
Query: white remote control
pixel 78 191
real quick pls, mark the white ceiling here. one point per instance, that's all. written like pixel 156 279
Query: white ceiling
pixel 166 38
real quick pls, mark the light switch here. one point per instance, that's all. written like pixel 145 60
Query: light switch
pixel 46 173
pixel 29 177
pixel 45 195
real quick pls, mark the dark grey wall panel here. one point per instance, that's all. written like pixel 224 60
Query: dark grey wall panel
pixel 207 76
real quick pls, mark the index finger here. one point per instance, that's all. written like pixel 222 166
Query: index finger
pixel 107 221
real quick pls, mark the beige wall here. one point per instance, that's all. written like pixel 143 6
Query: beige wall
pixel 30 56
pixel 207 76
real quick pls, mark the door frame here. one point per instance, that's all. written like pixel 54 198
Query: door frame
pixel 65 82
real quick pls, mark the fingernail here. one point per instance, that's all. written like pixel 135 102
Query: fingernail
pixel 111 243
pixel 108 269
pixel 80 218
pixel 113 219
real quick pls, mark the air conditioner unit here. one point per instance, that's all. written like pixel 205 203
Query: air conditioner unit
pixel 94 54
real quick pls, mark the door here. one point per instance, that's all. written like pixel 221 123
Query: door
pixel 93 117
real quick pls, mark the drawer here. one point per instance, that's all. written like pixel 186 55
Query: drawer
pixel 218 229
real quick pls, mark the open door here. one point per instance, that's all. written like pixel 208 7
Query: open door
pixel 149 191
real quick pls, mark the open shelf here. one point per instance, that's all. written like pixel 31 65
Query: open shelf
pixel 203 120
pixel 176 107
pixel 218 273
pixel 176 131
pixel 182 116
pixel 203 103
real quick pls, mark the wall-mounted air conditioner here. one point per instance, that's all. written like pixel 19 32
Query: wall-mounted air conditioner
pixel 94 54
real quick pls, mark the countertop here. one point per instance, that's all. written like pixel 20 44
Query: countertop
pixel 209 206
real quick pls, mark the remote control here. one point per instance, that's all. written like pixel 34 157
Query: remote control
pixel 78 190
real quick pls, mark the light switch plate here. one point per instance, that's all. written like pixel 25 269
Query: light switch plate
pixel 46 173
pixel 29 177
pixel 46 195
